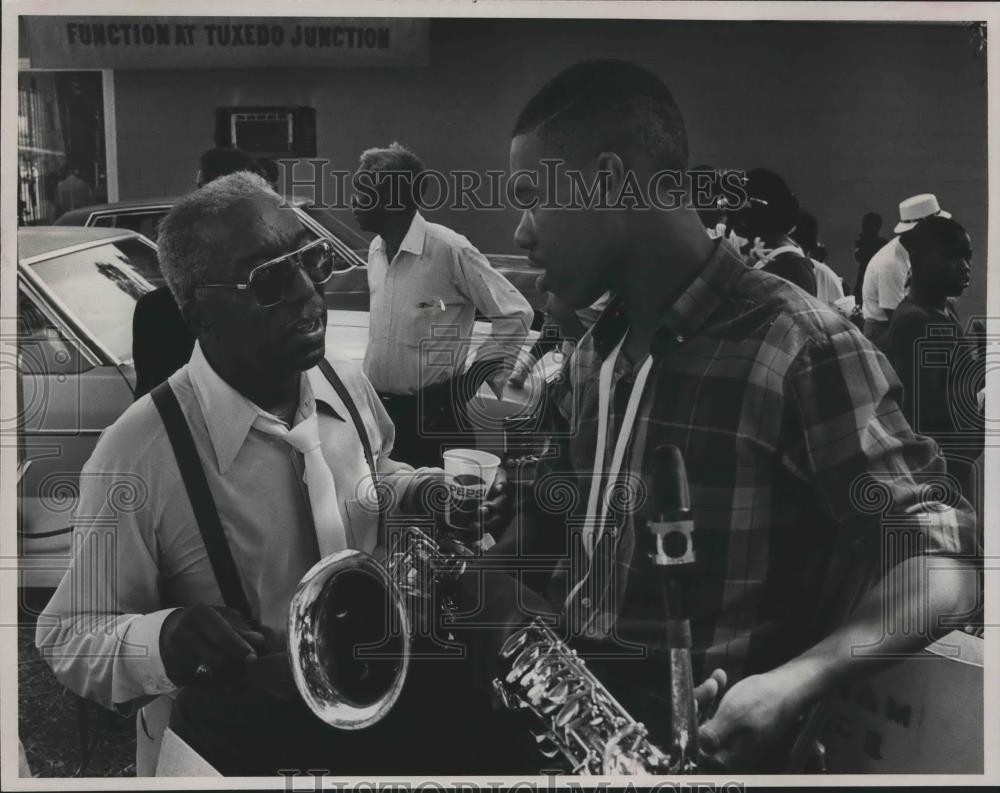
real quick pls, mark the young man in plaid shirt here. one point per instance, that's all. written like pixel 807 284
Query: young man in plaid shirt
pixel 801 466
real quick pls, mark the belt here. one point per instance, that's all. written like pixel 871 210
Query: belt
pixel 387 398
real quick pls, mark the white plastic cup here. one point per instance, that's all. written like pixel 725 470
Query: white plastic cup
pixel 472 473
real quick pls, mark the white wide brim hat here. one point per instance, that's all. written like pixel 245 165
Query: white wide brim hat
pixel 915 208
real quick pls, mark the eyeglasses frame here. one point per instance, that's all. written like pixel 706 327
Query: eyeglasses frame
pixel 242 287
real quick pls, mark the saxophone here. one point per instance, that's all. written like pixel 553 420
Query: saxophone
pixel 354 618
pixel 578 716
pixel 350 666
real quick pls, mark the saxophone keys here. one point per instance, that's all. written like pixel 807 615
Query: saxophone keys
pixel 524 662
pixel 502 695
pixel 560 691
pixel 569 710
pixel 529 680
pixel 513 643
pixel 541 672
pixel 557 696
pixel 540 690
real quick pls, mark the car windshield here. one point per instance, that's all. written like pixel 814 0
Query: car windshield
pixel 99 286
pixel 343 228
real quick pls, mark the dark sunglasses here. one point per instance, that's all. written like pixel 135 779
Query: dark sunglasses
pixel 270 282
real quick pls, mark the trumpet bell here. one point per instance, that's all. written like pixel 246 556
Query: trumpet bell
pixel 348 640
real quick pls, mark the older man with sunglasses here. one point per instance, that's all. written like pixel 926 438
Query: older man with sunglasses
pixel 207 501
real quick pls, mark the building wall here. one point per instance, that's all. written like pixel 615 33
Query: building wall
pixel 855 116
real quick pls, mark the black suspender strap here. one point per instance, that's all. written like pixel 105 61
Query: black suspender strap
pixel 202 504
pixel 366 444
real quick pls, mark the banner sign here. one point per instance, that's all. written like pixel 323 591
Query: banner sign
pixel 103 42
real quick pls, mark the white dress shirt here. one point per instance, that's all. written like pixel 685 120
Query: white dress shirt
pixel 829 287
pixel 884 286
pixel 423 309
pixel 139 553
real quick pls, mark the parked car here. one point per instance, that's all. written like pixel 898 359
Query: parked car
pixel 349 292
pixel 76 291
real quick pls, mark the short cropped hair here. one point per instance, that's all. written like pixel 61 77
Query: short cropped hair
pixel 871 223
pixel 189 256
pixel 934 233
pixel 608 105
pixel 396 158
pixel 221 162
pixel 772 207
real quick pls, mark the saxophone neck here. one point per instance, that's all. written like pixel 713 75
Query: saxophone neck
pixel 380 554
pixel 683 713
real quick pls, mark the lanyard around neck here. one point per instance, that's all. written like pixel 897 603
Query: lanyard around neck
pixel 769 255
pixel 594 524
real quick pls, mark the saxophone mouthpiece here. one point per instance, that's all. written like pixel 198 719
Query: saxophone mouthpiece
pixel 672 492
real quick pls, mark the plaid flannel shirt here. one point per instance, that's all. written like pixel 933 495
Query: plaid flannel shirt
pixel 800 463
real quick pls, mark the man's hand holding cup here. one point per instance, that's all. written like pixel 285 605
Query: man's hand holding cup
pixel 478 502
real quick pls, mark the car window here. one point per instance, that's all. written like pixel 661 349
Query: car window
pixel 100 287
pixel 145 223
pixel 344 230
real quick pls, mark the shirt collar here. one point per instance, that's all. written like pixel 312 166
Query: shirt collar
pixel 413 242
pixel 229 415
pixel 689 311
pixel 327 398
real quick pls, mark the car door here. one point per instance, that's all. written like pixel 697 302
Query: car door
pixel 74 380
pixel 67 396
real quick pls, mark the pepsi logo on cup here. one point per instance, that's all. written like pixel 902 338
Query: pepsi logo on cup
pixel 467 494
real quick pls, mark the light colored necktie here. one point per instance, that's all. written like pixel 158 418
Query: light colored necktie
pixel 304 437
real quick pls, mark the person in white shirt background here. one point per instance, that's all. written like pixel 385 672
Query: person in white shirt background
pixel 143 610
pixel 427 283
pixel 768 217
pixel 888 270
pixel 829 285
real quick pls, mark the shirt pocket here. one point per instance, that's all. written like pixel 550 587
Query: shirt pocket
pixel 415 318
pixel 423 323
